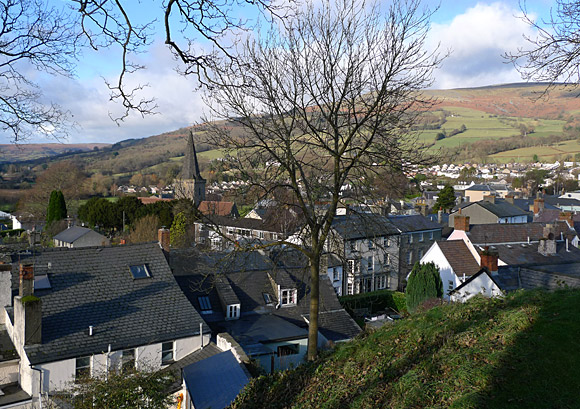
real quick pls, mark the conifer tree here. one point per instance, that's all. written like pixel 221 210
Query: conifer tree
pixel 424 284
pixel 56 207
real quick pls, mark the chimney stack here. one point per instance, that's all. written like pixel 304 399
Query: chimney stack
pixel 489 198
pixel 440 216
pixel 164 238
pixel 568 217
pixel 547 245
pixel 509 198
pixel 489 260
pixel 26 286
pixel 27 310
pixel 538 206
pixel 461 222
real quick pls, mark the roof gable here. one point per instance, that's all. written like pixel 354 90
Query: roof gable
pixel 459 257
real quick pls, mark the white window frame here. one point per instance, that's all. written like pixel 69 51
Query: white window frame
pixel 409 257
pixel 335 274
pixel 288 296
pixel 81 370
pixel 421 237
pixel 371 244
pixel 233 311
pixel 381 282
pixel 125 362
pixel 370 263
pixel 431 235
pixel 164 349
pixel 386 241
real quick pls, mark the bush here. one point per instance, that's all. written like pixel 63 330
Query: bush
pixel 374 301
pixel 424 283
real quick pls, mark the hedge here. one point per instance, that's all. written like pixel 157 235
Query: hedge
pixel 375 301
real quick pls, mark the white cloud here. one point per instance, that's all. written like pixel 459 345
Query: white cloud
pixel 477 39
pixel 179 103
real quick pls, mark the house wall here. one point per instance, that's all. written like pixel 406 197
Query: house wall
pixel 5 292
pixel 420 242
pixel 338 283
pixel 9 371
pixel 57 375
pixel 284 362
pixel 16 223
pixel 477 215
pixel 436 256
pixel 475 195
pixel 481 284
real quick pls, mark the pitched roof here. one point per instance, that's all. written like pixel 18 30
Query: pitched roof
pixel 459 257
pixel 514 233
pixel 93 286
pixel 502 208
pixel 73 233
pixel 358 226
pixel 210 207
pixel 413 223
pixel 528 255
pixel 216 381
pixel 481 271
pixel 250 286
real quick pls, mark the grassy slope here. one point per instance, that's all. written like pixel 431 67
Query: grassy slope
pixel 519 352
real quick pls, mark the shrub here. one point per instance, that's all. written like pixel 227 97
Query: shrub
pixel 424 283
pixel 374 301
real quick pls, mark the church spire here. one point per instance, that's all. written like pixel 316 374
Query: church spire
pixel 190 165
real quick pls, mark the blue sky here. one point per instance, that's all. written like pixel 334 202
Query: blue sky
pixel 476 32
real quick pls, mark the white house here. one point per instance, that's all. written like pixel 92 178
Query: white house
pixel 481 282
pixel 84 311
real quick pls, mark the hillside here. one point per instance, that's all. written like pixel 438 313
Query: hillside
pixel 27 152
pixel 518 352
pixel 488 114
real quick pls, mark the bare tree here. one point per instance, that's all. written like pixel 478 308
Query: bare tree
pixel 326 99
pixel 33 37
pixel 553 55
pixel 40 35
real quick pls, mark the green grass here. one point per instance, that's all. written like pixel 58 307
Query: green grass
pixel 519 352
pixel 545 153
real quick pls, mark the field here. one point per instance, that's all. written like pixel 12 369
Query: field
pixel 545 153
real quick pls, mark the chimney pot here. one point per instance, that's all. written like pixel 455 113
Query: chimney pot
pixel 90 330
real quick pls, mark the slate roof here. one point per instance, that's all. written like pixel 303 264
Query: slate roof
pixel 215 382
pixel 243 223
pixel 502 208
pixel 250 286
pixel 358 226
pixel 459 257
pixel 527 254
pixel 413 223
pixel 561 201
pixel 209 207
pixel 72 234
pixel 514 233
pixel 473 277
pixel 94 286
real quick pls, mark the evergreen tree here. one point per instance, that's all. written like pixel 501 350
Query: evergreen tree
pixel 60 212
pixel 50 212
pixel 446 198
pixel 179 230
pixel 424 283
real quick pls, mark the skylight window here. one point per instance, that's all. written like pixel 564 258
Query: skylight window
pixel 204 305
pixel 140 271
pixel 41 282
pixel 268 298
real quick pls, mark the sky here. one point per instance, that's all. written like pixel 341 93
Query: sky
pixel 476 33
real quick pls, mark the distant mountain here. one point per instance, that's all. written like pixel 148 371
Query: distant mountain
pixel 11 153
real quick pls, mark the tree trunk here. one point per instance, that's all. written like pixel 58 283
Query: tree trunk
pixel 314 303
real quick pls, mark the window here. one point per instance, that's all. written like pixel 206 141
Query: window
pixel 409 257
pixel 166 353
pixel 204 305
pixel 351 266
pixel 268 299
pixel 370 263
pixel 231 230
pixel 288 297
pixel 335 274
pixel 410 238
pixel 386 259
pixel 350 289
pixel 421 236
pixel 371 245
pixel 352 245
pixel 381 282
pixel 128 360
pixel 82 368
pixel 451 285
pixel 140 271
pixel 431 235
pixel 386 242
pixel 261 234
pixel 233 311
pixel 420 255
pixel 290 349
pixel 216 242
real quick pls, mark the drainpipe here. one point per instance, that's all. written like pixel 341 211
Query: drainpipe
pixel 201 333
pixel 40 390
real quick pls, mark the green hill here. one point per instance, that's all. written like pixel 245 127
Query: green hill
pixel 519 352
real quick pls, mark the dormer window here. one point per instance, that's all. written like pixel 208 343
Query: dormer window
pixel 233 311
pixel 288 297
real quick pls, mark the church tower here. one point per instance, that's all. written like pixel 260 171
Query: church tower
pixel 191 185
